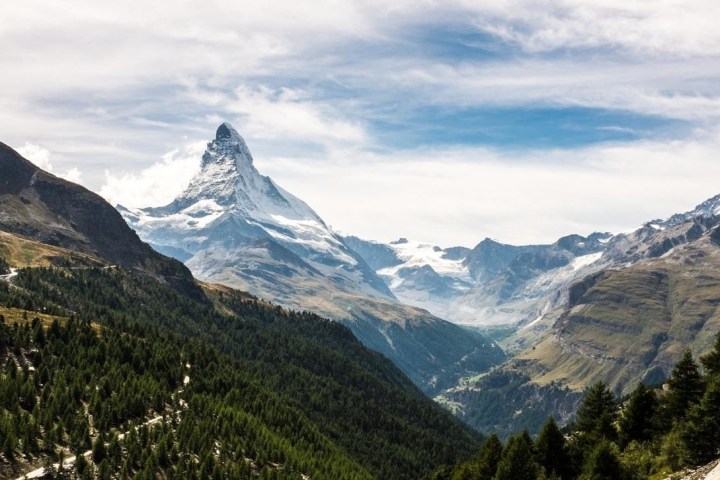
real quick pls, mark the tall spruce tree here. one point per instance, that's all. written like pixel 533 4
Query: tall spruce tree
pixel 638 418
pixel 597 414
pixel 551 451
pixel 603 464
pixel 489 458
pixel 686 387
pixel 702 429
pixel 4 266
pixel 711 361
pixel 517 461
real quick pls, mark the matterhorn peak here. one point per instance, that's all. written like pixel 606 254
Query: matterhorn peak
pixel 228 179
pixel 228 147
pixel 227 132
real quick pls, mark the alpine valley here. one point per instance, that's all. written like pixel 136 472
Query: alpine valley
pixel 617 308
pixel 116 363
pixel 236 227
pixel 620 309
pixel 233 334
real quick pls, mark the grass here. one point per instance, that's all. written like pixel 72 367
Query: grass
pixel 634 322
pixel 21 317
pixel 22 252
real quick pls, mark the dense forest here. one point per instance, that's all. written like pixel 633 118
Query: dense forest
pixel 216 384
pixel 140 380
pixel 4 266
pixel 648 435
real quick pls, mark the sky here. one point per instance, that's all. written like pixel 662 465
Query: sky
pixel 448 122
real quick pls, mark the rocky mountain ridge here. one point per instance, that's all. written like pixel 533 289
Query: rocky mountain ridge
pixel 234 226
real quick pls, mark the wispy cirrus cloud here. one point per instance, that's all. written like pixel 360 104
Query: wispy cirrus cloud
pixel 369 86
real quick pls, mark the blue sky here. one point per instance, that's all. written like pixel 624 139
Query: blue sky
pixel 442 121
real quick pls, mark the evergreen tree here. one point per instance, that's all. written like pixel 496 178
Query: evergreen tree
pixel 4 266
pixel 702 429
pixel 483 466
pixel 552 453
pixel 517 461
pixel 98 450
pixel 637 420
pixel 686 387
pixel 597 414
pixel 711 361
pixel 603 464
pixel 489 457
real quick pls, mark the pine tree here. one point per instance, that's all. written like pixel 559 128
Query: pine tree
pixel 711 361
pixel 4 266
pixel 552 453
pixel 603 464
pixel 483 466
pixel 686 387
pixel 637 420
pixel 597 414
pixel 702 429
pixel 489 457
pixel 98 450
pixel 517 461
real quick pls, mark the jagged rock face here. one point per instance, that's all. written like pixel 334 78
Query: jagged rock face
pixel 229 205
pixel 654 293
pixel 53 211
pixel 234 226
pixel 491 284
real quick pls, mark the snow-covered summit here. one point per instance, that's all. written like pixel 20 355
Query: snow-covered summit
pixel 228 177
pixel 708 208
pixel 229 204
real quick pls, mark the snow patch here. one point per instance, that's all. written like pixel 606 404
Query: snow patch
pixel 585 260
pixel 418 254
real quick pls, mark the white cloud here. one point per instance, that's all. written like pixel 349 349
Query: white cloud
pixel 285 113
pixel 73 175
pixel 677 27
pixel 41 157
pixel 460 196
pixel 157 184
pixel 288 75
pixel 681 89
pixel 36 154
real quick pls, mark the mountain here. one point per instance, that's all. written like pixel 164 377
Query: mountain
pixel 614 308
pixel 236 227
pixel 653 293
pixel 490 285
pixel 94 342
pixel 37 205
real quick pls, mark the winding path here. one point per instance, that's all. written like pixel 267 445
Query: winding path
pixel 70 461
pixel 714 473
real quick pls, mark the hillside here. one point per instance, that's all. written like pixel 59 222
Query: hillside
pixel 309 394
pixel 39 206
pixel 234 226
pixel 621 325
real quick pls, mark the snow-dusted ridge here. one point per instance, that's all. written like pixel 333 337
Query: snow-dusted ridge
pixel 418 254
pixel 233 226
pixel 229 204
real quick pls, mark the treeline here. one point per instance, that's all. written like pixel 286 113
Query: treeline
pixel 652 433
pixel 270 391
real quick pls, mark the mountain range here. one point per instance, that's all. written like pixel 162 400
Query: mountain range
pixel 618 308
pixel 114 352
pixel 626 318
pixel 234 226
